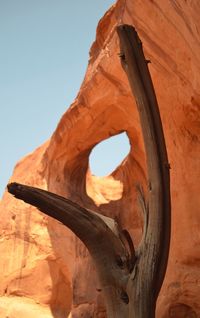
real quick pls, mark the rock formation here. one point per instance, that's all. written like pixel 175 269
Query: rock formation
pixel 45 270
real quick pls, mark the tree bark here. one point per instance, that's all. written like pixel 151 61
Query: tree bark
pixel 131 280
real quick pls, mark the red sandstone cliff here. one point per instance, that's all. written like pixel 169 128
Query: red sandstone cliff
pixel 45 270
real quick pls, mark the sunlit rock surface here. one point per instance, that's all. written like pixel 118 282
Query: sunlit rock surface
pixel 44 269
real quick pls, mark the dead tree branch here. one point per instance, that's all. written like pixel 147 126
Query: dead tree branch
pixel 97 232
pixel 154 248
pixel 131 280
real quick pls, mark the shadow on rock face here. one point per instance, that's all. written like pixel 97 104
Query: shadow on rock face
pixel 181 311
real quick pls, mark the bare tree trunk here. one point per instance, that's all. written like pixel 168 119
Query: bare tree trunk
pixel 130 281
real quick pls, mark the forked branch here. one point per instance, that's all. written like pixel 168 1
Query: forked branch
pixel 130 280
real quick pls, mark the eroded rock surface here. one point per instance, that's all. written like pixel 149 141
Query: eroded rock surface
pixel 45 270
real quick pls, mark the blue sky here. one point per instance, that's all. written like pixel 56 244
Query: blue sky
pixel 43 58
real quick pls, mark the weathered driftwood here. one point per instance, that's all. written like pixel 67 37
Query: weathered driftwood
pixel 130 280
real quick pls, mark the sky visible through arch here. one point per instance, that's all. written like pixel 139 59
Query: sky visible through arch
pixel 108 154
pixel 43 58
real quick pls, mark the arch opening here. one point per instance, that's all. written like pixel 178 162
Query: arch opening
pixel 108 155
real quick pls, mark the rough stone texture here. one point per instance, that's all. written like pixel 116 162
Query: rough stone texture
pixel 45 271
